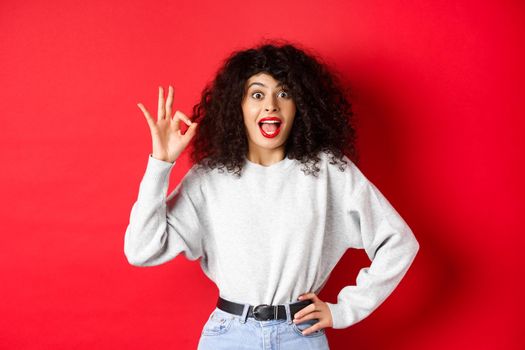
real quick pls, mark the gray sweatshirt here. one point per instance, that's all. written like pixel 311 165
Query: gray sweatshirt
pixel 274 233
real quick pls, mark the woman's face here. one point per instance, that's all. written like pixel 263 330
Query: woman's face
pixel 266 99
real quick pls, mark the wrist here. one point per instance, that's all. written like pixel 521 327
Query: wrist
pixel 160 158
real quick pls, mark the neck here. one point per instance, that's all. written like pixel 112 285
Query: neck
pixel 266 157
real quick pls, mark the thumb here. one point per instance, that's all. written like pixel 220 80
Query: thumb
pixel 191 131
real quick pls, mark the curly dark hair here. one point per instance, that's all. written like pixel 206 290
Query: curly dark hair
pixel 323 120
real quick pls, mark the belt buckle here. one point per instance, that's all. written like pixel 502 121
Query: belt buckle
pixel 260 311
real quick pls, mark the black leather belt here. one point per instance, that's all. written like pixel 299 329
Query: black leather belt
pixel 262 312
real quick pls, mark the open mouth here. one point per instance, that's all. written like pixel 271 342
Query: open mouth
pixel 270 128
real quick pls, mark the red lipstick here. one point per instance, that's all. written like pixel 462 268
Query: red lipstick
pixel 272 121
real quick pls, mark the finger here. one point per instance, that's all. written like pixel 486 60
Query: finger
pixel 309 316
pixel 306 296
pixel 169 102
pixel 312 329
pixel 175 121
pixel 148 117
pixel 304 311
pixel 161 113
pixel 192 130
pixel 184 118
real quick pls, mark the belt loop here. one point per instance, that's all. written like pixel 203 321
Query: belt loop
pixel 288 313
pixel 245 313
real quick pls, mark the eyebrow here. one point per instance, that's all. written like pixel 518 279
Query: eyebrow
pixel 261 84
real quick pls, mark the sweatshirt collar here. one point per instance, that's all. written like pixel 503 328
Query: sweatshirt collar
pixel 280 165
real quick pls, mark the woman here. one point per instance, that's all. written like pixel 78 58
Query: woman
pixel 271 228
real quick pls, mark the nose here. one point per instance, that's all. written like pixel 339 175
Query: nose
pixel 271 105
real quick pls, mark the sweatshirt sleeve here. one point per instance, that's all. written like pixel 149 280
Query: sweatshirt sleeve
pixel 161 227
pixel 388 241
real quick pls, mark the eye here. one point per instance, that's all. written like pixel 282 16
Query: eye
pixel 256 93
pixel 286 93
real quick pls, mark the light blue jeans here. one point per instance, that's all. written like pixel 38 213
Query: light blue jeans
pixel 228 331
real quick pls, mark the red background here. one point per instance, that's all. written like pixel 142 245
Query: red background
pixel 438 90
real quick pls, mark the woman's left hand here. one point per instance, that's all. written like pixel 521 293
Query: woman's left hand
pixel 318 309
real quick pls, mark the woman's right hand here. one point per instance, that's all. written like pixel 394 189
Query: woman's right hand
pixel 167 138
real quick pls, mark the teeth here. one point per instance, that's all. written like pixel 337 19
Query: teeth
pixel 270 122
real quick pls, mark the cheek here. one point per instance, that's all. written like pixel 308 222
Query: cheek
pixel 248 118
pixel 250 113
pixel 290 108
pixel 291 113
